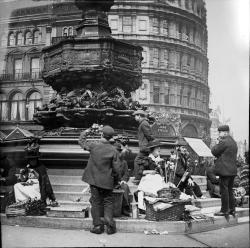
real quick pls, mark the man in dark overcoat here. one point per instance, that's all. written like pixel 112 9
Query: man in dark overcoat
pixel 101 172
pixel 225 167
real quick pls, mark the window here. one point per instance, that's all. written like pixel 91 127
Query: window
pixel 28 38
pixel 127 24
pixel 156 94
pixel 19 39
pixel 36 37
pixel 165 27
pixel 142 25
pixel 18 67
pixel 155 25
pixel 144 55
pixel 2 66
pixel 70 31
pixel 114 24
pixel 155 57
pixel 11 40
pixel 17 111
pixel 65 32
pixel 3 108
pixel 166 96
pixel 34 101
pixel 3 41
pixel 35 68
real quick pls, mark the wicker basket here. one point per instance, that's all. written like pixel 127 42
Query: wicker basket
pixel 173 213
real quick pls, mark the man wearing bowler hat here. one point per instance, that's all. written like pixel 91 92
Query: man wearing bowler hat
pixel 101 172
pixel 225 167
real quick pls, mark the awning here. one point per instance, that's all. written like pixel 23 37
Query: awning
pixel 201 149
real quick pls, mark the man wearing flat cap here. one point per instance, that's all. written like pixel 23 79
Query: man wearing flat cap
pixel 144 129
pixel 144 137
pixel 101 172
pixel 225 167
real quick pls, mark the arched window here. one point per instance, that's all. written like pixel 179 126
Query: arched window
pixel 34 101
pixel 36 37
pixel 3 40
pixel 19 38
pixel 70 31
pixel 189 131
pixel 11 41
pixel 3 108
pixel 28 38
pixel 65 32
pixel 17 109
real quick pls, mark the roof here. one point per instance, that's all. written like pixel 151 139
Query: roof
pixel 19 133
pixel 199 147
pixel 2 136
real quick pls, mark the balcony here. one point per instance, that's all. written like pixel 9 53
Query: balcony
pixel 20 76
pixel 59 38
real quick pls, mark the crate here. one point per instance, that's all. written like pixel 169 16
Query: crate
pixel 173 213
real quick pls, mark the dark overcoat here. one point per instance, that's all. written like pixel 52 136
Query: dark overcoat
pixel 144 133
pixel 226 155
pixel 103 165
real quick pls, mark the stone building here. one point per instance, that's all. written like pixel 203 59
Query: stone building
pixel 173 34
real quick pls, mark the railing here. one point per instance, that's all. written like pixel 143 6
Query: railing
pixel 59 38
pixel 20 76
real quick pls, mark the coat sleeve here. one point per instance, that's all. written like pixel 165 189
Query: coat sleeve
pixel 218 149
pixel 146 129
pixel 211 176
pixel 85 145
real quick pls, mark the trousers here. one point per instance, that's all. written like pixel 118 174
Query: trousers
pixel 189 190
pixel 102 206
pixel 227 196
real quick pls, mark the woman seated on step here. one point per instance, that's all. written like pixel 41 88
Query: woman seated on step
pixel 34 182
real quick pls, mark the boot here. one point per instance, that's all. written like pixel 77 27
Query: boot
pixel 97 229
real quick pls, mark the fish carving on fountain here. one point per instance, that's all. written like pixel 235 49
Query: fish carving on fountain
pixel 92 73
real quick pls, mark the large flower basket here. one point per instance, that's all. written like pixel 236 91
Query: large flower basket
pixel 173 213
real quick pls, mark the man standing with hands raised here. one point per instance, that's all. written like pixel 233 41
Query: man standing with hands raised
pixel 101 172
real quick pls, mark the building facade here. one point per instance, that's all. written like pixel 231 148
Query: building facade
pixel 173 34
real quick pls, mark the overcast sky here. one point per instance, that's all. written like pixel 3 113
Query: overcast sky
pixel 228 54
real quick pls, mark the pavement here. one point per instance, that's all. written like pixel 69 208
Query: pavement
pixel 16 236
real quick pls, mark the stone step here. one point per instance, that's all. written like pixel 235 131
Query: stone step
pixel 123 224
pixel 67 211
pixel 241 212
pixel 207 202
pixel 73 204
pixel 59 179
pixel 71 196
pixel 69 187
pixel 65 172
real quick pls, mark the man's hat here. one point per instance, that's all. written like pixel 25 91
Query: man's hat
pixel 140 112
pixel 108 131
pixel 223 128
pixel 153 143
